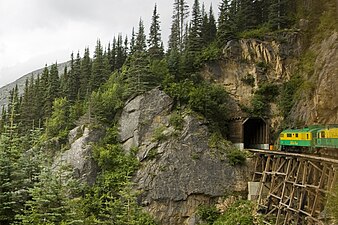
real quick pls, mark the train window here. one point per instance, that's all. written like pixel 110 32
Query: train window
pixel 289 135
pixel 307 136
pixel 322 134
pixel 281 135
pixel 296 135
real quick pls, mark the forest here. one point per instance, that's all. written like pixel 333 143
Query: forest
pixel 34 126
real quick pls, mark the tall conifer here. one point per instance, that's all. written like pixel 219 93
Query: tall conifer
pixel 154 41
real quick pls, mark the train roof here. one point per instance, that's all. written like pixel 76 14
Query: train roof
pixel 303 130
pixel 312 128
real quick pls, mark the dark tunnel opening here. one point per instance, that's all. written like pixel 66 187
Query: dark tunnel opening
pixel 255 133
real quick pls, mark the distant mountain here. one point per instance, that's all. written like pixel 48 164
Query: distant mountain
pixel 4 91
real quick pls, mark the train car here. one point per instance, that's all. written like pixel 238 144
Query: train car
pixel 327 138
pixel 318 139
pixel 298 140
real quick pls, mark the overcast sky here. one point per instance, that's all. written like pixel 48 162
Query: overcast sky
pixel 38 32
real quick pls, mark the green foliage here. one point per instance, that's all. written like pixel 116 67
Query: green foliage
pixel 208 214
pixel 259 32
pixel 288 94
pixel 50 200
pixel 216 140
pixel 159 134
pixel 112 199
pixel 241 212
pixel 236 157
pixel 333 202
pixel 248 80
pixel 58 124
pixel 105 102
pixel 307 62
pixel 211 101
pixel 210 53
pixel 263 96
pixel 328 21
pixel 176 120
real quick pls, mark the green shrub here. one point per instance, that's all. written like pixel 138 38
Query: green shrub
pixel 248 80
pixel 176 120
pixel 332 203
pixel 288 94
pixel 158 134
pixel 265 94
pixel 236 157
pixel 211 53
pixel 241 212
pixel 208 214
pixel 255 33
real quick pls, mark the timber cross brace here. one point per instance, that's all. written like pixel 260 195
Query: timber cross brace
pixel 293 187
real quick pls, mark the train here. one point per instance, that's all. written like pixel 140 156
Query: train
pixel 321 139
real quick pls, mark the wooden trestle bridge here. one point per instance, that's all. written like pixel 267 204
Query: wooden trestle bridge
pixel 293 188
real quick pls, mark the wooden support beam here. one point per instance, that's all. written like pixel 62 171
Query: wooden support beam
pixel 297 186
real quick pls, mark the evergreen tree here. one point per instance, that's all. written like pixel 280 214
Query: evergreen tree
pixel 86 70
pixel 10 152
pixel 132 41
pixel 125 47
pixel 180 14
pixel 278 14
pixel 140 42
pixel 226 24
pixel 155 43
pixel 212 29
pixel 43 91
pixel 245 15
pixel 98 77
pixel 194 37
pixel 64 82
pixel 120 53
pixel 39 93
pixel 113 56
pixel 51 199
pixel 52 90
pixel 26 108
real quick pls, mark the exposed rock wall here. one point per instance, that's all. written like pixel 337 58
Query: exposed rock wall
pixel 79 155
pixel 320 104
pixel 178 170
pixel 263 61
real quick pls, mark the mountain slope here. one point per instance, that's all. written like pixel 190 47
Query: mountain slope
pixel 4 91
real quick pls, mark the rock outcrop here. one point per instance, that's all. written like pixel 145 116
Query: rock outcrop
pixel 247 63
pixel 79 155
pixel 319 105
pixel 178 171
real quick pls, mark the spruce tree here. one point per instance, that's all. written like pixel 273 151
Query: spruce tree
pixel 194 36
pixel 120 53
pixel 154 41
pixel 113 56
pixel 140 42
pixel 132 41
pixel 277 15
pixel 180 14
pixel 226 24
pixel 86 70
pixel 97 76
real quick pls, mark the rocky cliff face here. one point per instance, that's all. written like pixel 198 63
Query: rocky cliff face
pixel 179 171
pixel 319 105
pixel 79 154
pixel 249 62
pixel 274 60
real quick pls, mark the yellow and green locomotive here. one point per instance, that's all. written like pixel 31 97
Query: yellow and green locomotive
pixel 310 139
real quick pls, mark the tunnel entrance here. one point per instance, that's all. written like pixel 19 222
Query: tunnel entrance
pixel 255 133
